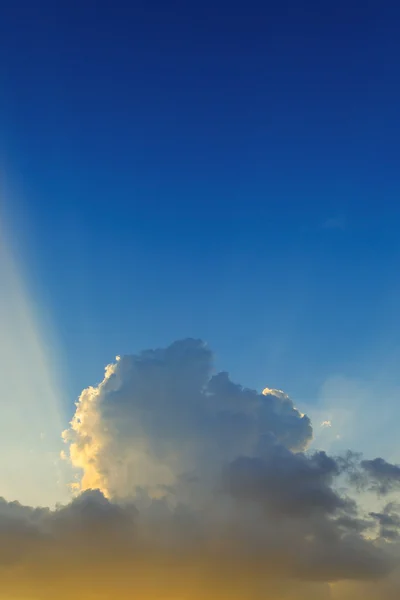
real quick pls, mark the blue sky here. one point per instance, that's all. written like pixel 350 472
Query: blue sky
pixel 222 171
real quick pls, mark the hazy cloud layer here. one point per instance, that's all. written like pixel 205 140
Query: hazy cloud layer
pixel 104 548
pixel 204 488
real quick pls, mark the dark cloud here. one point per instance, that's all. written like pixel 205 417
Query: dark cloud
pixel 383 476
pixel 354 524
pixel 389 521
pixel 227 545
pixel 376 475
pixel 285 482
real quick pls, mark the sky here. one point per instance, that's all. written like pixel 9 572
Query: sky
pixel 224 172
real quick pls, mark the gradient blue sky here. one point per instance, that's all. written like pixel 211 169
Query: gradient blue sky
pixel 228 171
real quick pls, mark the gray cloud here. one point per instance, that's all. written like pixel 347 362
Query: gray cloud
pixel 285 482
pixel 376 475
pixel 389 521
pixel 228 545
pixel 383 476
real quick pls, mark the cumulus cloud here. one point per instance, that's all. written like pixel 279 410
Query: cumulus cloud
pixel 189 485
pixel 164 413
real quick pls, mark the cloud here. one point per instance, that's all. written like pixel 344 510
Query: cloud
pixel 164 413
pixel 104 548
pixel 376 475
pixel 383 476
pixel 190 485
pixel 286 483
pixel 389 521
